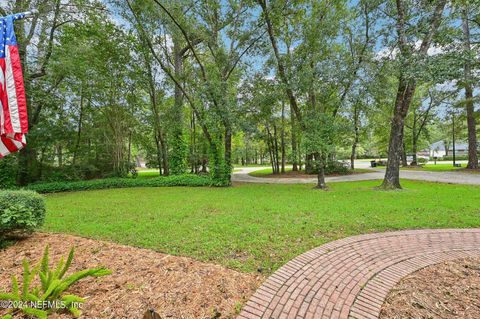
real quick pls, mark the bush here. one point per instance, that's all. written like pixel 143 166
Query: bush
pixel 174 180
pixel 70 172
pixel 335 167
pixel 422 160
pixel 457 158
pixel 20 211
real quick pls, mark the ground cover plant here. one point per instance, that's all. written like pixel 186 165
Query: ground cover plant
pixel 147 181
pixel 50 296
pixel 256 227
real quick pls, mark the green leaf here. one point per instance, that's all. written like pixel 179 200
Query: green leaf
pixel 44 281
pixel 40 314
pixel 44 262
pixel 58 269
pixel 75 312
pixel 69 262
pixel 7 317
pixel 15 290
pixel 55 283
pixel 66 283
pixel 68 299
pixel 5 296
pixel 32 297
pixel 26 279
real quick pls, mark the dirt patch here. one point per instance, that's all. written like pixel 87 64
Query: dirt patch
pixel 447 290
pixel 176 287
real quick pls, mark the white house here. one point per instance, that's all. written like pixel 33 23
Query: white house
pixel 437 149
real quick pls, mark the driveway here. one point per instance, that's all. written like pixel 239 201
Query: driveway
pixel 376 174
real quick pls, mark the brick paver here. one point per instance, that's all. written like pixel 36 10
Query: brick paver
pixel 351 277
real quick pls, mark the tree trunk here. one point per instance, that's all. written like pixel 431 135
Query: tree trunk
pixel 414 139
pixel 79 130
pixel 406 88
pixel 178 163
pixel 271 150
pixel 414 153
pixel 321 184
pixel 228 148
pixel 402 103
pixel 280 63
pixel 277 159
pixel 355 139
pixel 163 144
pixel 472 127
pixel 129 154
pixel 159 153
pixel 294 144
pixel 282 138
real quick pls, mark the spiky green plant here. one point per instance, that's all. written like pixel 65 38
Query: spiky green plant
pixel 40 301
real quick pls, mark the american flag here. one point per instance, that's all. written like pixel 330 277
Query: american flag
pixel 13 104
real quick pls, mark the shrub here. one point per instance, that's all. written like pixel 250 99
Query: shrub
pixel 49 296
pixel 335 167
pixel 422 160
pixel 457 157
pixel 20 211
pixel 174 180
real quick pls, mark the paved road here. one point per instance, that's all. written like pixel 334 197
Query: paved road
pixel 351 277
pixel 442 177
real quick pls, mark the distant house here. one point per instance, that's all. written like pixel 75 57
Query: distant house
pixel 438 149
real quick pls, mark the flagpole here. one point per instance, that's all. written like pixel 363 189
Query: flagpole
pixel 24 15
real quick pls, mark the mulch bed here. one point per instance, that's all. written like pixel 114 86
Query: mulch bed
pixel 176 287
pixel 447 290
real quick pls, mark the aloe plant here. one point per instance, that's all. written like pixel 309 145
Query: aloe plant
pixel 40 301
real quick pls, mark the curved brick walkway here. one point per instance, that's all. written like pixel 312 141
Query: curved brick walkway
pixel 351 277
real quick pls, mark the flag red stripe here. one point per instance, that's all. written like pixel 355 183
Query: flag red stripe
pixel 7 123
pixel 20 88
pixel 9 144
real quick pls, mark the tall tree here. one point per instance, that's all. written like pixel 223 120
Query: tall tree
pixel 468 86
pixel 409 57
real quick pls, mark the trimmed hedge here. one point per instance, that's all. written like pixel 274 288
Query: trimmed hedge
pixel 20 211
pixel 457 157
pixel 175 180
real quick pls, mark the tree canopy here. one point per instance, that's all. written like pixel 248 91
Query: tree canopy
pixel 197 86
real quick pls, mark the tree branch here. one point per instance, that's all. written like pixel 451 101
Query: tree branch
pixel 185 35
pixel 169 73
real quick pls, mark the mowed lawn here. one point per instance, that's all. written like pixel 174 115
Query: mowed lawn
pixel 441 167
pixel 267 172
pixel 256 227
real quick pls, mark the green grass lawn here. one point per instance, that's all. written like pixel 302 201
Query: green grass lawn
pixel 443 167
pixel 250 226
pixel 250 165
pixel 266 172
pixel 148 174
